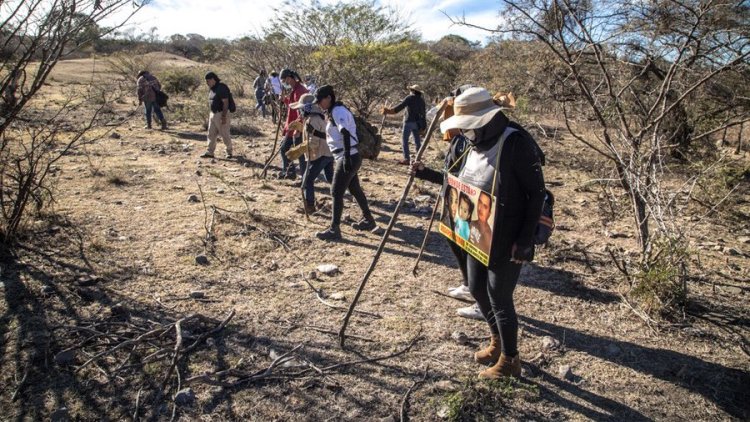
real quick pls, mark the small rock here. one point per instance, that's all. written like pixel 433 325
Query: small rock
pixel 178 187
pixel 184 397
pixel 337 296
pixel 86 281
pixel 328 269
pixel 197 294
pixel 60 415
pixel 162 151
pixel 744 239
pixel 118 202
pixel 459 337
pixel 389 419
pixel 444 412
pixel 210 342
pixel 273 267
pixel 613 350
pixel 549 343
pixel 733 290
pixel 247 164
pixel 193 198
pixel 117 309
pixel 732 252
pixel 198 173
pixel 419 226
pixel 47 290
pixel 115 135
pixel 312 275
pixel 565 372
pixel 220 191
pixel 65 358
pixel 201 260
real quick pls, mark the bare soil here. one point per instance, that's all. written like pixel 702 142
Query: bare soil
pixel 122 216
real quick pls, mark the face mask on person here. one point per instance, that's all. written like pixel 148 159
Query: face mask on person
pixel 307 109
pixel 286 85
pixel 470 135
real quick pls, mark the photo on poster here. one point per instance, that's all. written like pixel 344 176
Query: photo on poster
pixel 468 217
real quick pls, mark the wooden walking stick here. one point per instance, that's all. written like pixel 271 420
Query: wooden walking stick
pixel 394 217
pixel 427 233
pixel 275 141
pixel 382 121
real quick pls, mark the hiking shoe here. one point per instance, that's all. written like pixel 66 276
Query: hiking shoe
pixel 163 125
pixel 207 155
pixel 505 367
pixel 461 292
pixel 471 312
pixel 403 162
pixel 364 224
pixel 329 234
pixel 229 156
pixel 147 127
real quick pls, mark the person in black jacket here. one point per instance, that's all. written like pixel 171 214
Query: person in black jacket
pixel 519 198
pixel 414 119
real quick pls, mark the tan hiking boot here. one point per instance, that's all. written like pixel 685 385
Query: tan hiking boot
pixel 505 367
pixel 490 354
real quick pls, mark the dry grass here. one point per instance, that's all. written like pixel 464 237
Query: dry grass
pixel 135 229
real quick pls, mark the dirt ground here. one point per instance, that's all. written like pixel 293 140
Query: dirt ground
pixel 119 246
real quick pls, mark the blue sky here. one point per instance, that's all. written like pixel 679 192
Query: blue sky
pixel 236 18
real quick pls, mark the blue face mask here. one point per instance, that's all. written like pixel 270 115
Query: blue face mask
pixel 307 109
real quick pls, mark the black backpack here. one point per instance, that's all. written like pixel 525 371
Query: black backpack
pixel 161 98
pixel 546 224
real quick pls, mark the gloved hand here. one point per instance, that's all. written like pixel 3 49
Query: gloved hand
pixel 520 254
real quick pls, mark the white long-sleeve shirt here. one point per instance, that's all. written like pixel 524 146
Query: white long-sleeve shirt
pixel 335 140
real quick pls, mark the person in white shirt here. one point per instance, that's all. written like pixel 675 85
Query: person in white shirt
pixel 341 136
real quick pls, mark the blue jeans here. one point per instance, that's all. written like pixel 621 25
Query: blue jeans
pixel 152 106
pixel 286 145
pixel 261 105
pixel 413 129
pixel 324 164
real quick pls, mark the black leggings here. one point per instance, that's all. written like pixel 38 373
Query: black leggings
pixel 461 258
pixel 493 289
pixel 343 180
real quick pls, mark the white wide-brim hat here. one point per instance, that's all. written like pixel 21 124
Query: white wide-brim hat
pixel 473 109
pixel 303 100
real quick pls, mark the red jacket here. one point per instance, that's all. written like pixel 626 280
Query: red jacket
pixel 293 114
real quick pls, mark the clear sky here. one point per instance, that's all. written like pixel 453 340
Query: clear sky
pixel 236 18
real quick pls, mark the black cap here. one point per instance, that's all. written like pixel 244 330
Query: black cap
pixel 322 92
pixel 285 73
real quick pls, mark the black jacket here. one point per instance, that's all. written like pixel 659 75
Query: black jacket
pixel 415 108
pixel 520 187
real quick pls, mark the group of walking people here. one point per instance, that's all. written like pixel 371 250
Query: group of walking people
pixel 485 150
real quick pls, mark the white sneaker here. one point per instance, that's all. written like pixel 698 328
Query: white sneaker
pixel 471 312
pixel 461 292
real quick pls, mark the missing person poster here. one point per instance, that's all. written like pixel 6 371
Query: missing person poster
pixel 468 218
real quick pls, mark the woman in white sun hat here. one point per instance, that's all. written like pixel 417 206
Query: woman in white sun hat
pixel 517 181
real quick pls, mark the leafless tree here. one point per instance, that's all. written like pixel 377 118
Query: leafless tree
pixel 34 36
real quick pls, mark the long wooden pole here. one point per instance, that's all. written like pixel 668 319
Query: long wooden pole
pixel 394 217
pixel 426 234
pixel 275 141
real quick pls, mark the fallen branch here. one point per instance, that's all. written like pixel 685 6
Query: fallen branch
pixel 404 414
pixel 334 306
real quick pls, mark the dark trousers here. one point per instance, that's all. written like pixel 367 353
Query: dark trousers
pixel 343 180
pixel 461 259
pixel 152 106
pixel 493 287
pixel 286 145
pixel 320 164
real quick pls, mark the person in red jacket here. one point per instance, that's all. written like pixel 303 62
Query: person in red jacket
pixel 293 83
